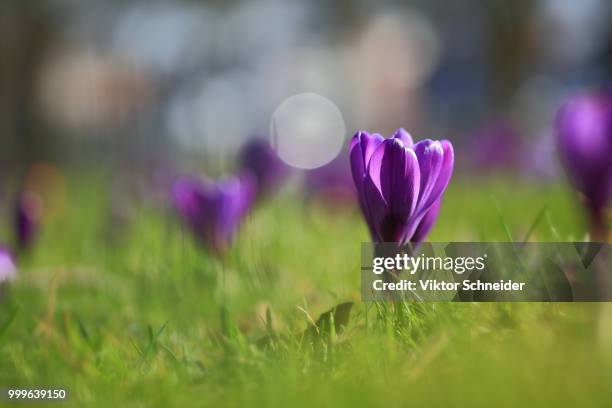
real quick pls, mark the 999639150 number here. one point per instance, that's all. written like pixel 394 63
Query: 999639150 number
pixel 36 394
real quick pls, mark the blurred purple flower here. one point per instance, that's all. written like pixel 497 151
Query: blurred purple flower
pixel 539 161
pixel 268 170
pixel 213 211
pixel 27 219
pixel 8 269
pixel 584 138
pixel 400 184
pixel 496 145
pixel 333 182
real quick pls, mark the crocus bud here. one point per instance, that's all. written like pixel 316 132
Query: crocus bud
pixel 400 184
pixel 213 211
pixel 8 270
pixel 584 137
pixel 258 158
pixel 27 219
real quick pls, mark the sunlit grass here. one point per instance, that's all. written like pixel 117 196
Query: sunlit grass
pixel 134 311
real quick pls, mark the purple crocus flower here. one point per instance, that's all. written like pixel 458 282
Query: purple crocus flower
pixel 213 211
pixel 258 158
pixel 496 146
pixel 8 270
pixel 27 219
pixel 331 183
pixel 584 138
pixel 427 222
pixel 399 183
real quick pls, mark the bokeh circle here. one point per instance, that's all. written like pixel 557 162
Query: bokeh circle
pixel 307 131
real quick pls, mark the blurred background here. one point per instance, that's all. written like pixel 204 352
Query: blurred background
pixel 128 85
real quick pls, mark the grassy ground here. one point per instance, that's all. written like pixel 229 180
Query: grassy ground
pixel 134 313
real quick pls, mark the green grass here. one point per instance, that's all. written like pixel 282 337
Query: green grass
pixel 135 314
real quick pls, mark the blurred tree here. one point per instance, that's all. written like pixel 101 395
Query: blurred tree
pixel 26 32
pixel 509 50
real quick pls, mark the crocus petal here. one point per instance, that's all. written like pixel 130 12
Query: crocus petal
pixel 237 197
pixel 431 156
pixel 362 147
pixel 213 211
pixel 404 136
pixel 394 170
pixel 268 171
pixel 332 183
pixel 426 223
pixel 375 210
pixel 393 173
pixel 27 219
pixel 446 169
pixel 198 206
pixel 496 145
pixel 438 189
pixel 8 270
pixel 584 133
pixel 184 197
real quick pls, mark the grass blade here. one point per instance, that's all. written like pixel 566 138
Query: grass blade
pixel 7 323
pixel 535 222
